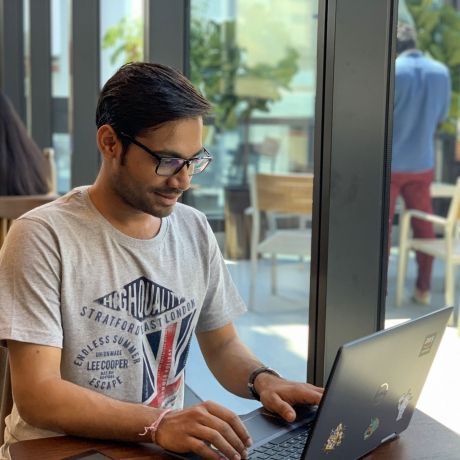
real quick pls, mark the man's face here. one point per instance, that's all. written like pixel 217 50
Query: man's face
pixel 134 179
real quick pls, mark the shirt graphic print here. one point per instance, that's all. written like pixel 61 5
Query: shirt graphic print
pixel 146 328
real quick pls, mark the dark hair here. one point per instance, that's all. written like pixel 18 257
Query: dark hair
pixel 143 95
pixel 406 38
pixel 22 164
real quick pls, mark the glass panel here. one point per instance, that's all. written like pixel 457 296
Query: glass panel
pixel 425 165
pixel 122 38
pixel 258 70
pixel 121 41
pixel 60 85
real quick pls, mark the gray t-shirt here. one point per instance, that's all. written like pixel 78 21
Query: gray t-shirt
pixel 123 310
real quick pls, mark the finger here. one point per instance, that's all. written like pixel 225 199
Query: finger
pixel 220 434
pixel 202 449
pixel 310 398
pixel 275 404
pixel 219 442
pixel 303 394
pixel 232 419
pixel 314 397
pixel 318 389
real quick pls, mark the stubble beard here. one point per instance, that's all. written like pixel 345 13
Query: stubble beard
pixel 142 200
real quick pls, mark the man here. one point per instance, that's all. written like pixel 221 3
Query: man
pixel 421 102
pixel 103 288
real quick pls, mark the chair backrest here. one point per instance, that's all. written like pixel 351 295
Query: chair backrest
pixel 453 214
pixel 282 193
pixel 6 397
pixel 51 170
pixel 11 207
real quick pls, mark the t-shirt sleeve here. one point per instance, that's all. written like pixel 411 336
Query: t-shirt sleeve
pixel 30 268
pixel 222 303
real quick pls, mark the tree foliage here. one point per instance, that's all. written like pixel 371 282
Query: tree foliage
pixel 125 38
pixel 217 66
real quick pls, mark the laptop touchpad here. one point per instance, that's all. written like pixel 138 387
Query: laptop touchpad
pixel 264 426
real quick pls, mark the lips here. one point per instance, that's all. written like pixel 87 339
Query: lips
pixel 168 199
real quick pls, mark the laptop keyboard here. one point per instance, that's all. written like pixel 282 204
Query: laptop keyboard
pixel 287 447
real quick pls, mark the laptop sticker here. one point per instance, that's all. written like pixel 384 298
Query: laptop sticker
pixel 381 393
pixel 370 430
pixel 403 403
pixel 427 344
pixel 335 438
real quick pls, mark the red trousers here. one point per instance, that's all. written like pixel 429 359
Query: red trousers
pixel 415 191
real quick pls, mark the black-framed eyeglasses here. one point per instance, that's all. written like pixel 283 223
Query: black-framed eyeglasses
pixel 168 166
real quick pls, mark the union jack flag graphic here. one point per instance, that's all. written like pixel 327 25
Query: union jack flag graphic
pixel 164 356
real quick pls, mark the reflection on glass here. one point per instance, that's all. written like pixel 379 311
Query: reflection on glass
pixel 425 167
pixel 258 69
pixel 424 159
pixel 421 104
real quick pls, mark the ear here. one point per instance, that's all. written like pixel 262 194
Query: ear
pixel 108 143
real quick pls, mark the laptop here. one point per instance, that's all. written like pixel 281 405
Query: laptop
pixel 369 398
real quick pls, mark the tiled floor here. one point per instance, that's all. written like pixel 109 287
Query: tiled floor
pixel 279 336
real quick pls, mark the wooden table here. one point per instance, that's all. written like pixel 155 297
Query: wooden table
pixel 425 439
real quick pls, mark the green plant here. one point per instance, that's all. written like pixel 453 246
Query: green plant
pixel 217 67
pixel 126 39
pixel 438 34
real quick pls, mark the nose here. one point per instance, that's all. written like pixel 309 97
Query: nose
pixel 180 180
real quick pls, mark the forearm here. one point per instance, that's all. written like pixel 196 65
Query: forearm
pixel 231 364
pixel 68 408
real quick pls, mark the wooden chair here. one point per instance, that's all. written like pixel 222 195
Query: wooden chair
pixel 446 248
pixel 51 170
pixel 11 207
pixel 275 196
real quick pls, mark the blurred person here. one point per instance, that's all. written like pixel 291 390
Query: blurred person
pixel 22 163
pixel 421 103
pixel 103 289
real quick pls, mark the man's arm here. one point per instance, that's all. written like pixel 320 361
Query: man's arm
pixel 47 401
pixel 231 363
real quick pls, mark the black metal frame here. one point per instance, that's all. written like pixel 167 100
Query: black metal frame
pixel 12 54
pixel 39 103
pixel 351 167
pixel 84 89
pixel 167 28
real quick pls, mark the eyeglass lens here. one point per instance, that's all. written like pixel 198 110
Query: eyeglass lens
pixel 171 166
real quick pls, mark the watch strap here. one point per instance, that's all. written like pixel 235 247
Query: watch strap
pixel 252 378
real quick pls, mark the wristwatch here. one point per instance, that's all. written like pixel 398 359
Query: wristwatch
pixel 253 376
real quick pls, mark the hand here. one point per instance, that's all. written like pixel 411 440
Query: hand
pixel 279 395
pixel 198 427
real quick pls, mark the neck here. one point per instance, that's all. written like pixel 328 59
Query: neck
pixel 122 216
